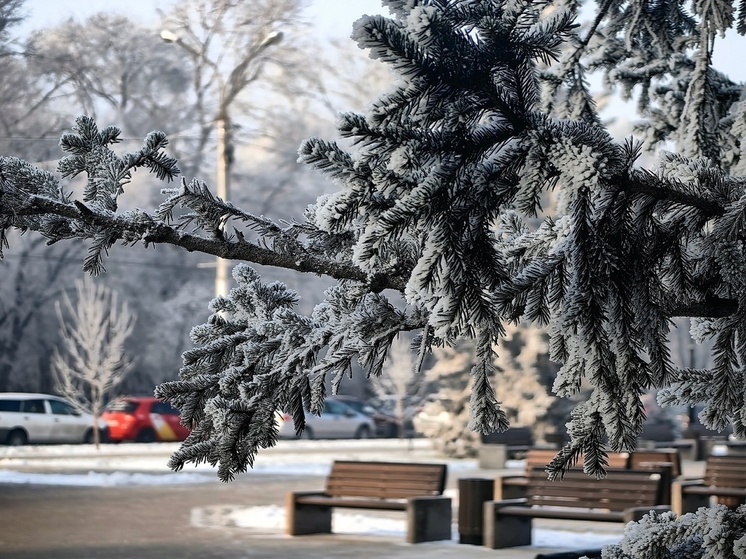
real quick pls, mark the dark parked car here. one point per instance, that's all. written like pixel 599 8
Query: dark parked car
pixel 386 424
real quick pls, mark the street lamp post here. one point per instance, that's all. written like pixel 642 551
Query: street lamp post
pixel 223 126
pixel 223 179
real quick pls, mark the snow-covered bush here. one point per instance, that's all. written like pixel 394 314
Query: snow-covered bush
pixel 524 371
pixel 709 533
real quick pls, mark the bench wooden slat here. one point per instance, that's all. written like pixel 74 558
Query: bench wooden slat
pixel 513 486
pixel 577 480
pixel 726 471
pixel 564 514
pixel 621 489
pixel 716 491
pixel 542 457
pixel 431 481
pixel 385 480
pixel 386 467
pixel 642 459
pixel 375 492
pixel 515 436
pixel 423 486
pixel 353 503
pixel 607 501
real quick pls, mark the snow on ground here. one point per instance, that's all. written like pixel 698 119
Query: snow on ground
pixel 273 518
pixel 99 479
pixel 62 464
pixel 138 464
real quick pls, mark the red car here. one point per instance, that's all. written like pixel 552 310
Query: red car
pixel 143 419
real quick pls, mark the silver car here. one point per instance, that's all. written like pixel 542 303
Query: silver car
pixel 338 421
pixel 27 418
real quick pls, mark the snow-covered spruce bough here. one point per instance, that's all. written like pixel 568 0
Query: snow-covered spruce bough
pixel 484 188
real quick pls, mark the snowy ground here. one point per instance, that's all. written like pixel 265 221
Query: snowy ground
pixel 136 465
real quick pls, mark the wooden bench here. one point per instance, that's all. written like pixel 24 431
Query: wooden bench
pixel 622 496
pixel 668 458
pixel 662 436
pixel 732 448
pixel 725 480
pixel 497 448
pixel 513 486
pixel 414 488
pixel 641 459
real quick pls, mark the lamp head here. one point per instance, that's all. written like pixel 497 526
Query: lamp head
pixel 272 38
pixel 169 36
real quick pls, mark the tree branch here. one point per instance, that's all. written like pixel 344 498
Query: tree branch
pixel 154 231
pixel 642 185
pixel 710 308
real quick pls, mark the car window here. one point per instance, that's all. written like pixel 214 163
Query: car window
pixel 10 405
pixel 61 408
pixel 354 404
pixel 335 408
pixel 124 406
pixel 33 406
pixel 164 409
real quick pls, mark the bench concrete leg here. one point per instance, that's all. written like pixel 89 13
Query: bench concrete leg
pixel 683 502
pixel 505 531
pixel 429 519
pixel 493 456
pixel 302 519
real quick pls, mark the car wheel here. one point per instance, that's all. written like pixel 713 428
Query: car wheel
pixel 306 434
pixel 17 438
pixel 146 436
pixel 363 432
pixel 89 439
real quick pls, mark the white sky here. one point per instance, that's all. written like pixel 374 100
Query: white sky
pixel 127 465
pixel 333 16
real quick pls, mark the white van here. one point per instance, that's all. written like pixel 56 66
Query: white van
pixel 29 418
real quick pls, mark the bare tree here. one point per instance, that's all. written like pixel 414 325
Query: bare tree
pixel 347 79
pixel 111 66
pixel 30 281
pixel 26 123
pixel 226 43
pixel 402 381
pixel 92 361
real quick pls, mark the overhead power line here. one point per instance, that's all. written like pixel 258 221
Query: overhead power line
pixel 125 262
